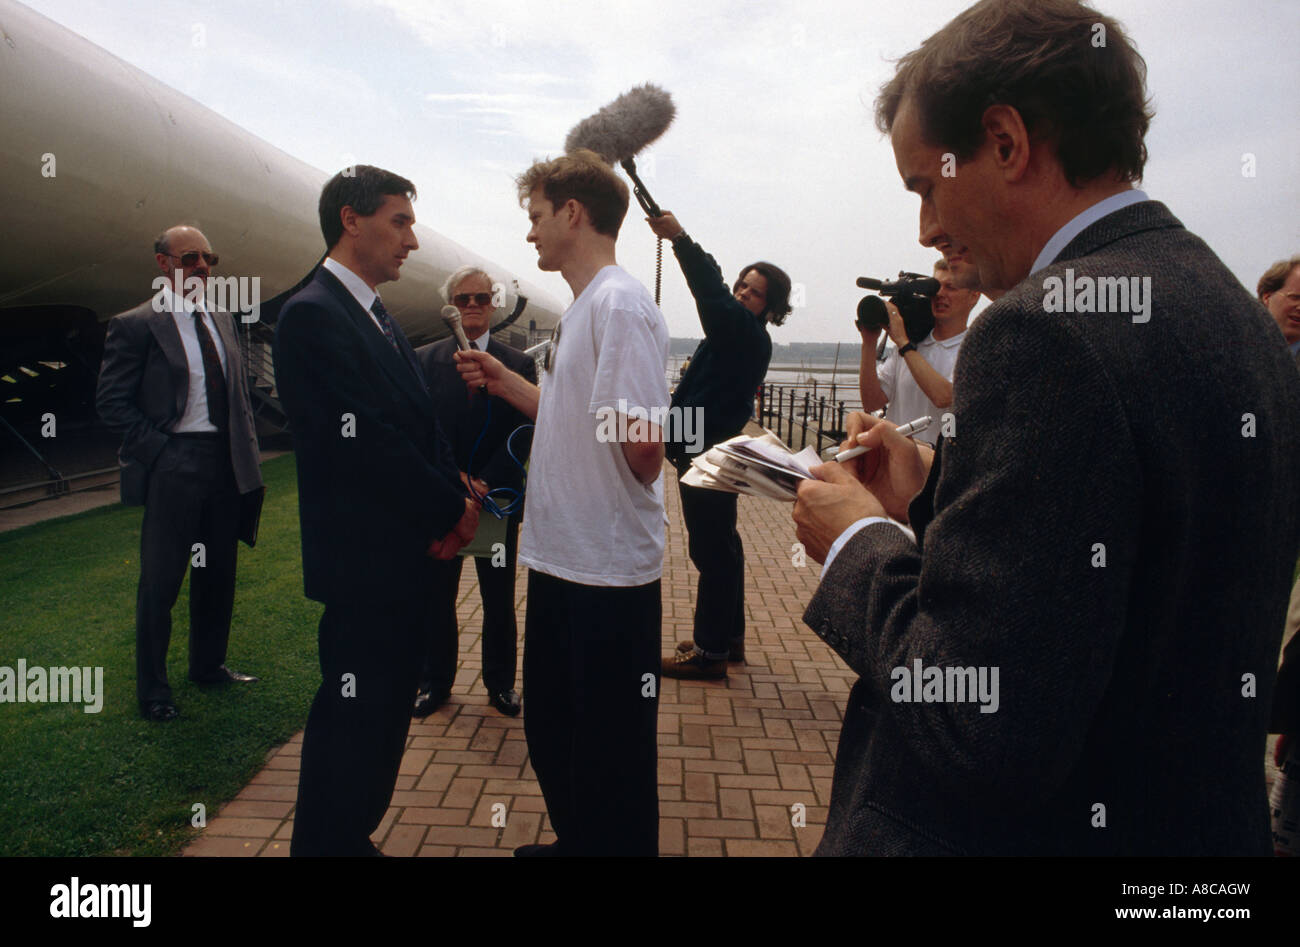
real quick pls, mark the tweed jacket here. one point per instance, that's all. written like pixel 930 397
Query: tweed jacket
pixel 1113 526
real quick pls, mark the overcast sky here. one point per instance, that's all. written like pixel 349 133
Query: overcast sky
pixel 773 154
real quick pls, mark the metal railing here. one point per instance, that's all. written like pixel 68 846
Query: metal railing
pixel 805 415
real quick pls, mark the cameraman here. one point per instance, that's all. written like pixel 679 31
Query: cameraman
pixel 719 387
pixel 925 387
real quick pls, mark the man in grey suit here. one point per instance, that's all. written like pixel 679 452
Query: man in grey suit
pixel 1075 654
pixel 172 384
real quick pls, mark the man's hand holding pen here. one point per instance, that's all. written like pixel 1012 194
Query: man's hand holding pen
pixel 880 482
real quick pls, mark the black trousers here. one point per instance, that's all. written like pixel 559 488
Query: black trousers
pixel 356 730
pixel 716 550
pixel 500 631
pixel 591 680
pixel 192 499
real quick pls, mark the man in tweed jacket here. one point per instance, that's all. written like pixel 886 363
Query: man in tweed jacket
pixel 1107 536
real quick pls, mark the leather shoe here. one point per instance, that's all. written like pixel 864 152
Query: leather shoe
pixel 426 702
pixel 506 701
pixel 538 851
pixel 224 675
pixel 736 652
pixel 694 666
pixel 159 711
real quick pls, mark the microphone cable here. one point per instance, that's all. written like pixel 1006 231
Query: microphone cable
pixel 516 497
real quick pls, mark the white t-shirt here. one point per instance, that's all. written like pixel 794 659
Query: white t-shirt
pixel 587 519
pixel 907 401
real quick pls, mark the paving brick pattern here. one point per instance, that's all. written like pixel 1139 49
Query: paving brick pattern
pixel 744 764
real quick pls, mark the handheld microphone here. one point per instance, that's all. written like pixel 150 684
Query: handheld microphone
pixel 451 316
pixel 624 127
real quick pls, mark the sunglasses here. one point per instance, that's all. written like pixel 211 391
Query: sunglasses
pixel 463 299
pixel 191 257
pixel 548 362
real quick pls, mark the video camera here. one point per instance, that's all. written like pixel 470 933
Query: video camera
pixel 911 293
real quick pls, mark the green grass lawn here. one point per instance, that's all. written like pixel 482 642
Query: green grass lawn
pixel 73 783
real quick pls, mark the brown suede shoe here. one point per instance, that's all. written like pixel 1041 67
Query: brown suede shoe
pixel 737 652
pixel 692 666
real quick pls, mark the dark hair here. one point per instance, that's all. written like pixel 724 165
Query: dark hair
pixel 1275 276
pixel 1039 57
pixel 361 187
pixel 778 290
pixel 582 176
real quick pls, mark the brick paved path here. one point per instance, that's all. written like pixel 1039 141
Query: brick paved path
pixel 735 756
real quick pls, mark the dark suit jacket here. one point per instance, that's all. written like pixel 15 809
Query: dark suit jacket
pixel 1121 684
pixel 144 383
pixel 462 418
pixel 372 502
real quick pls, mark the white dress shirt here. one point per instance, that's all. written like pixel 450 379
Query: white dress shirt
pixel 194 420
pixel 355 285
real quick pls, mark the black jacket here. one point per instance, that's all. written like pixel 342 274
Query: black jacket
pixel 728 365
pixel 462 417
pixel 1122 680
pixel 376 479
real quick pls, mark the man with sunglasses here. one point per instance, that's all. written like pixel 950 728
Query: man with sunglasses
pixel 479 427
pixel 172 384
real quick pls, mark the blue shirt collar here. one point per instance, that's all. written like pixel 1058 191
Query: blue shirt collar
pixel 1081 222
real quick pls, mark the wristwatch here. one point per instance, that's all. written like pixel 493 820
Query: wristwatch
pixel 904 349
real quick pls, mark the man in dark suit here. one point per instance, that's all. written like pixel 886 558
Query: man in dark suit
pixel 172 384
pixel 1076 653
pixel 377 490
pixel 485 464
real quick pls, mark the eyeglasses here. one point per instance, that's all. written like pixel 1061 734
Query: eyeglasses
pixel 548 363
pixel 191 257
pixel 462 299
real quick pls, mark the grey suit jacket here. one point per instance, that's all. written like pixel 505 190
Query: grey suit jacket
pixel 1113 527
pixel 143 388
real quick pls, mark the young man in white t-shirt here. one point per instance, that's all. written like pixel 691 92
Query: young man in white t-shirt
pixel 593 530
pixel 916 379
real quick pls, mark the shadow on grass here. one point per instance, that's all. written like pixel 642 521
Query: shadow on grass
pixel 75 783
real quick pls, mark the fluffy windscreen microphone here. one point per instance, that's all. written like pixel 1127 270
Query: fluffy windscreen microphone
pixel 621 129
